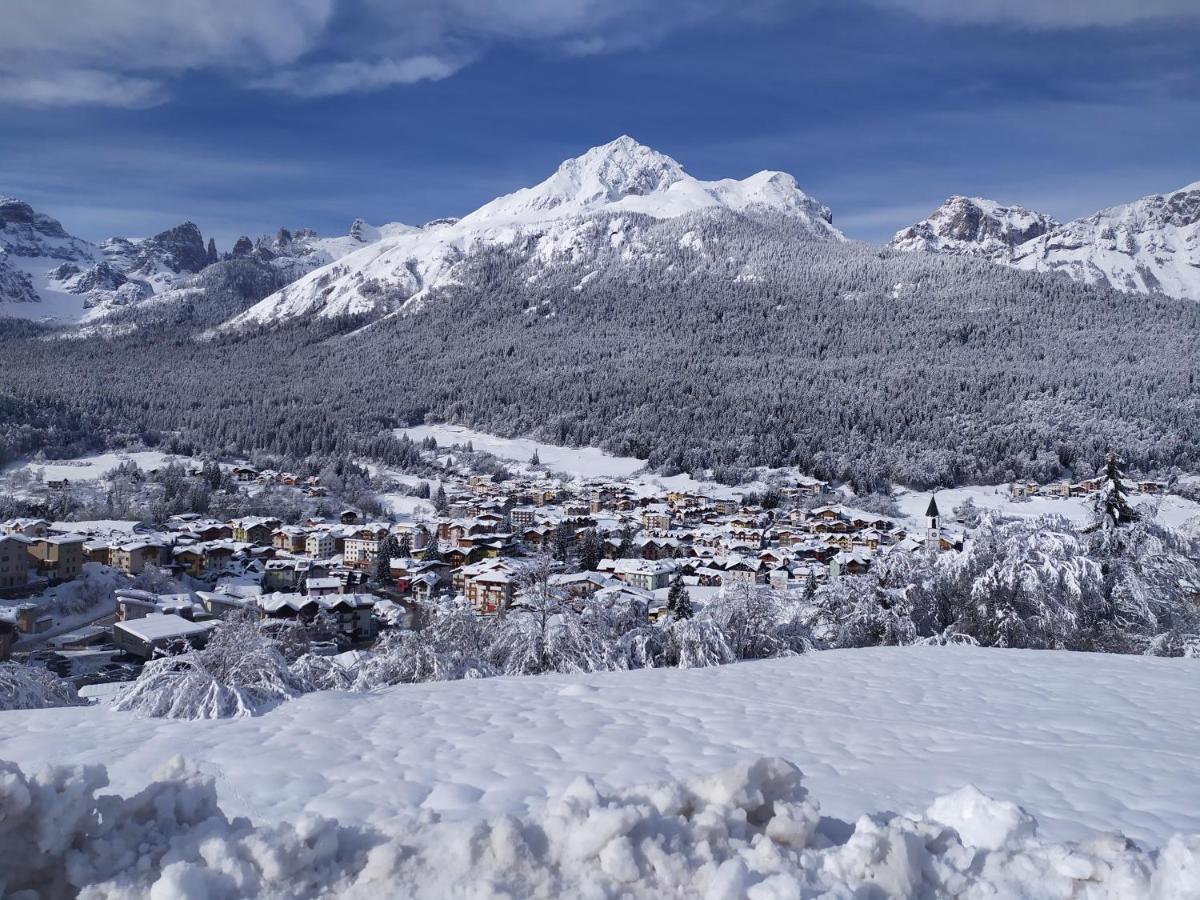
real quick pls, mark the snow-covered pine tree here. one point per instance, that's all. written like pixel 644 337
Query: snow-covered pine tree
pixel 535 460
pixel 591 551
pixel 404 546
pixel 679 603
pixel 1111 504
pixel 564 542
pixel 441 505
pixel 389 548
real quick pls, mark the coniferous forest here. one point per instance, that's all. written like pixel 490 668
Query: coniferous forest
pixel 763 348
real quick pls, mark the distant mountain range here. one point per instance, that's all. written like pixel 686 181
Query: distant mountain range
pixel 597 202
pixel 46 273
pixel 1151 245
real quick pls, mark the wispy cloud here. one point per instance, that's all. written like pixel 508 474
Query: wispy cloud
pixel 331 79
pixel 126 53
pixel 1049 13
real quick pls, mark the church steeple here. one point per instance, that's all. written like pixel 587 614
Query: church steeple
pixel 933 518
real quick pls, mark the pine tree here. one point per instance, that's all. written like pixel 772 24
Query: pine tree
pixel 431 552
pixel 404 546
pixel 441 505
pixel 564 542
pixel 591 551
pixel 389 547
pixel 625 548
pixel 1111 506
pixel 535 460
pixel 679 602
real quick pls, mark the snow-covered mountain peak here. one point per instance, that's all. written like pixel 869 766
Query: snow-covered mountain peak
pixel 973 226
pixel 1147 246
pixel 602 176
pixel 626 176
pixel 620 168
pixel 1151 245
pixel 26 232
pixel 580 212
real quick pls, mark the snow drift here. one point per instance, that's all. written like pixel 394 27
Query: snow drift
pixel 750 831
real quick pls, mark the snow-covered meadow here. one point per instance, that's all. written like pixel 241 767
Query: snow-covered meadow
pixel 481 780
pixel 89 468
pixel 580 462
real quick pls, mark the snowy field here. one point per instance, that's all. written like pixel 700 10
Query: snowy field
pixel 1086 743
pixel 89 468
pixel 580 462
pixel 1172 510
pixel 837 774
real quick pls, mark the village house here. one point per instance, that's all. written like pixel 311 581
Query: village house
pixel 319 544
pixel 362 545
pixel 322 587
pixel 648 575
pixel 657 517
pixel 159 633
pixel 350 613
pixel 190 559
pixel 490 591
pixel 29 528
pixel 852 563
pixel 740 571
pixel 14 563
pixel 289 538
pixel 133 558
pixel 57 557
pixel 255 529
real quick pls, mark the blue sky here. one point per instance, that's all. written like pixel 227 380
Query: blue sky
pixel 125 118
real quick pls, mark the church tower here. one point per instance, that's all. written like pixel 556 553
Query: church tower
pixel 933 525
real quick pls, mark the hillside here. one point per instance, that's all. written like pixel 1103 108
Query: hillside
pixel 622 303
pixel 733 340
pixel 1088 745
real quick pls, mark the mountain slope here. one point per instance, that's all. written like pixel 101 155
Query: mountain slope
pixel 973 226
pixel 47 274
pixel 1150 245
pixel 594 201
pixel 32 245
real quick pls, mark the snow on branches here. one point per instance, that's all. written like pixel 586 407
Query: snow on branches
pixel 238 673
pixel 29 687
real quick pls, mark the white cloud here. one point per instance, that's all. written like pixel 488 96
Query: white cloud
pixel 75 87
pixel 126 52
pixel 355 76
pixel 1049 13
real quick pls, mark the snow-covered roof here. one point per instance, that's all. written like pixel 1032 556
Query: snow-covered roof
pixel 159 626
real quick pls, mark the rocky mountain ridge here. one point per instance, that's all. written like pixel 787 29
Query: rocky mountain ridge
pixel 1151 245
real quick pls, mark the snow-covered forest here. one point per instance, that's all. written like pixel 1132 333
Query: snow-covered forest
pixel 744 344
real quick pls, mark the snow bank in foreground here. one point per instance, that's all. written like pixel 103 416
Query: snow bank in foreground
pixel 751 831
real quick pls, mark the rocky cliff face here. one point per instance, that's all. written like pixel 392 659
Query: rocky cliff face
pixel 1151 245
pixel 973 226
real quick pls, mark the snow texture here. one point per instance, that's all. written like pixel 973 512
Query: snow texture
pixel 1087 743
pixel 750 831
pixel 580 462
